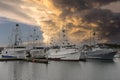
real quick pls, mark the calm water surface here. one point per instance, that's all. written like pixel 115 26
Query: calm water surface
pixel 90 70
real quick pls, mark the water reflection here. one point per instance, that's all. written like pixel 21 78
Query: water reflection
pixel 22 71
pixel 90 70
pixel 63 70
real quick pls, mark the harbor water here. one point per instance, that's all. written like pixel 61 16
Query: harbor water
pixel 60 70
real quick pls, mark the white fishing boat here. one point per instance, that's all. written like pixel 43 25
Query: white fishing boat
pixel 97 52
pixel 37 51
pixel 65 51
pixel 15 50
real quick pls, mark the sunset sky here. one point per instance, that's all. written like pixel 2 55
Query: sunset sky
pixel 79 16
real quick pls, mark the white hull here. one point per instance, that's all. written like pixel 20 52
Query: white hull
pixel 100 54
pixel 14 52
pixel 64 54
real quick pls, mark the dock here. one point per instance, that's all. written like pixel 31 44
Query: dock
pixel 40 60
pixel 25 59
pixel 72 60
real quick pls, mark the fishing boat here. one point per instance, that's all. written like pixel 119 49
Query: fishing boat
pixel 97 52
pixel 64 51
pixel 15 50
pixel 37 51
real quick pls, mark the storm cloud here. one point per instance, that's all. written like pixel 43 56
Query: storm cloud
pixel 108 24
pixel 80 17
pixel 85 12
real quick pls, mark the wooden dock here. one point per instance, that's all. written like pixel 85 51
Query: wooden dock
pixel 26 59
pixel 72 60
pixel 42 60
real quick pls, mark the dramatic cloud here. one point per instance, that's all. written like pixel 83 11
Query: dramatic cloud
pixel 79 17
pixel 114 7
pixel 108 22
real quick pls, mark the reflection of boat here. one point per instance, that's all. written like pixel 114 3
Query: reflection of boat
pixel 14 51
pixel 97 52
pixel 65 51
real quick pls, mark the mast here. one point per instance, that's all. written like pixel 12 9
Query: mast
pixel 92 37
pixel 51 42
pixel 17 36
pixel 63 38
pixel 35 37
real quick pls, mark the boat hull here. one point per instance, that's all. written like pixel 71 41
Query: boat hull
pixel 8 56
pixel 106 56
pixel 65 54
pixel 13 53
